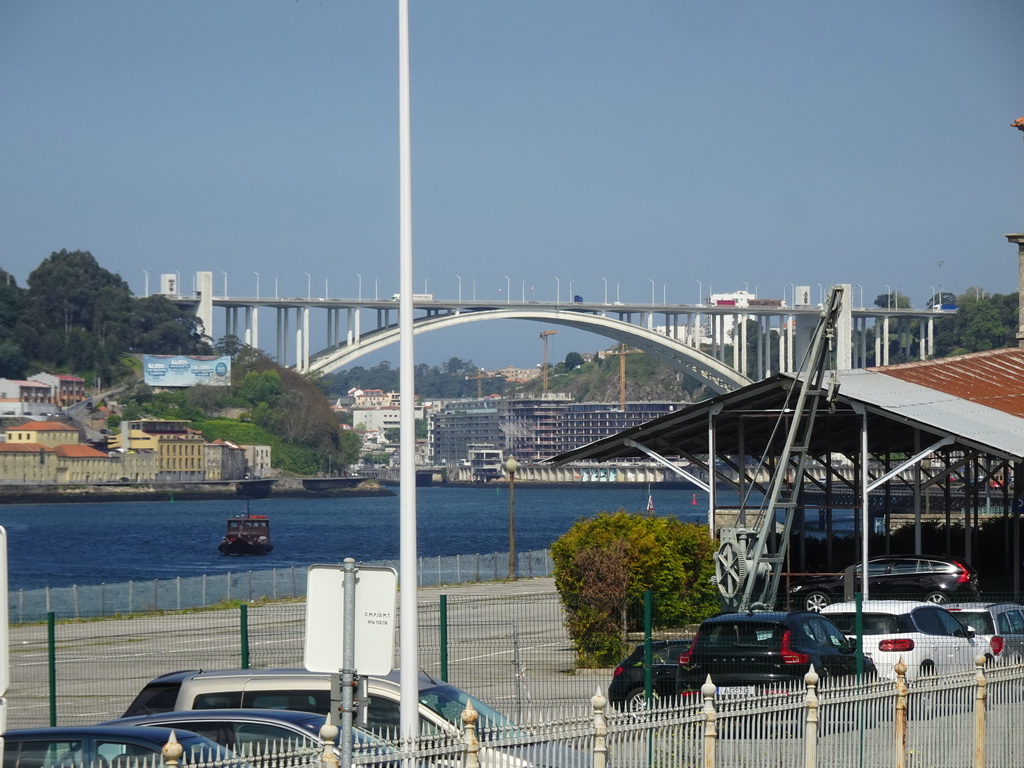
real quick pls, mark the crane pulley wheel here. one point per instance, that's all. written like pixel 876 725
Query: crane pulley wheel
pixel 730 567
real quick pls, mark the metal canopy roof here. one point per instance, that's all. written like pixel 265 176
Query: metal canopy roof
pixel 898 411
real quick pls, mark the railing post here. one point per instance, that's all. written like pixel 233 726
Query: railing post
pixel 51 664
pixel 172 751
pixel 811 731
pixel 599 703
pixel 329 736
pixel 710 723
pixel 472 744
pixel 243 621
pixel 980 700
pixel 443 630
pixel 901 714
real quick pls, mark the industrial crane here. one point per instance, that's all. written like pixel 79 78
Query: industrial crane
pixel 746 571
pixel 622 371
pixel 544 369
pixel 479 376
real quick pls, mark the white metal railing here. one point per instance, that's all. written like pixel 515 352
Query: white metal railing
pixel 969 719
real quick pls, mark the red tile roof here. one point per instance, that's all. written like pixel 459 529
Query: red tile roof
pixel 79 452
pixel 44 426
pixel 994 378
pixel 24 448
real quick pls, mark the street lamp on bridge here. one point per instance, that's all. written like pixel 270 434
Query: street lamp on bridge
pixel 257 285
pixel 459 278
pixel 309 286
pixel 508 289
pixel 605 289
pixel 359 290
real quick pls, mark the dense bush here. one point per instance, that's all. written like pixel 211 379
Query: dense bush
pixel 603 566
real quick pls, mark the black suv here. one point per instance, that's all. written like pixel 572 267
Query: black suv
pixel 766 650
pixel 933 578
pixel 626 690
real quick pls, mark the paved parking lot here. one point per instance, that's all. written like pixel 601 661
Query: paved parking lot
pixel 518 660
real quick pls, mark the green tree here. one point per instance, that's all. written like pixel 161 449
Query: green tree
pixel 894 300
pixel 604 564
pixel 573 360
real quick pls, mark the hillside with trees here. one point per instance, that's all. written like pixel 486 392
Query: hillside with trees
pixel 76 317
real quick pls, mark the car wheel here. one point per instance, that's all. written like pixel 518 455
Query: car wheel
pixel 636 700
pixel 939 598
pixel 815 601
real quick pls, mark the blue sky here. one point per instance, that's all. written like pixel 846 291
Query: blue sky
pixel 729 143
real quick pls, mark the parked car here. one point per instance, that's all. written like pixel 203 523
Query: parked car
pixel 245 730
pixel 111 745
pixel 998 628
pixel 765 650
pixel 928 638
pixel 440 707
pixel 932 578
pixel 627 691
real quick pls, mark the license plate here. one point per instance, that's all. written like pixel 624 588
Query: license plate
pixel 735 690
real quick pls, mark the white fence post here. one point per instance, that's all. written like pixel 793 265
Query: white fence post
pixel 472 744
pixel 811 731
pixel 599 703
pixel 710 723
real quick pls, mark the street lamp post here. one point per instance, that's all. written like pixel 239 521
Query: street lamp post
pixel 376 296
pixel 861 295
pixel 700 290
pixel 276 296
pixel 359 290
pixel 888 296
pixel 309 286
pixel 511 465
pixel 145 290
pixel 327 287
pixel 508 289
pixel 426 280
pixel 651 279
pixel 459 278
pixel 524 291
pixel 558 291
pixel 225 284
pixel 617 299
pixel 933 297
pixel 664 294
pixel 257 285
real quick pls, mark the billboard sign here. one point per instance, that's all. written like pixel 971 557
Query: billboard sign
pixel 186 371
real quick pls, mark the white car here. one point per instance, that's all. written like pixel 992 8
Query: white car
pixel 929 639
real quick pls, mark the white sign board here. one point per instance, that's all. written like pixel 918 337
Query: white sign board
pixel 376 619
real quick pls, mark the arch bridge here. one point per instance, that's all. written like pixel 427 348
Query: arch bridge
pixel 697 339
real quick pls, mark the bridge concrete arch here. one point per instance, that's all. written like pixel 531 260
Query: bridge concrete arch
pixel 715 374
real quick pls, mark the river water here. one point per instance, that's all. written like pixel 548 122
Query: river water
pixel 57 545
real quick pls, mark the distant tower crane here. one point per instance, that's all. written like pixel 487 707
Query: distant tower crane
pixel 544 369
pixel 479 376
pixel 622 371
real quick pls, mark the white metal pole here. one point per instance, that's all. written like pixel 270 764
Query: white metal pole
pixel 409 624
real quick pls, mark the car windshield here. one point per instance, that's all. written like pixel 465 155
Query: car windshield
pixel 872 623
pixel 980 620
pixel 730 634
pixel 450 702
